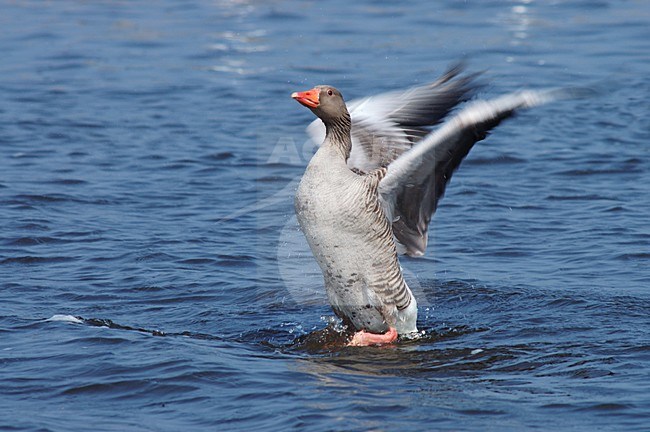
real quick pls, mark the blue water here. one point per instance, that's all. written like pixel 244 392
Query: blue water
pixel 152 274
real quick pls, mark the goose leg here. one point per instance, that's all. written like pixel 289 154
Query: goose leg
pixel 364 338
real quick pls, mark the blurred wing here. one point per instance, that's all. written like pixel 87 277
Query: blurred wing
pixel 416 181
pixel 387 125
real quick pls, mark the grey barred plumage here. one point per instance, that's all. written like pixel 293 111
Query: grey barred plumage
pixel 343 220
pixel 357 217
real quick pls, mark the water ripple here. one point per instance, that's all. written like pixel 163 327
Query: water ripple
pixel 153 277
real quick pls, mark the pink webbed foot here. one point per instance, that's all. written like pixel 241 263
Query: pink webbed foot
pixel 364 338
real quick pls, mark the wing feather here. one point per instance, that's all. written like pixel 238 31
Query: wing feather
pixel 386 125
pixel 416 181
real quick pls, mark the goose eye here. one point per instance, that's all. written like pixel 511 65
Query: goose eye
pixel 330 92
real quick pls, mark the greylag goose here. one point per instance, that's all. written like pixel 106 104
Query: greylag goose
pixel 370 190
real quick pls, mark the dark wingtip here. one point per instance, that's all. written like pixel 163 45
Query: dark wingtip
pixel 471 82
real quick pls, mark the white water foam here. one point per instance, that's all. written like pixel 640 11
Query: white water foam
pixel 65 318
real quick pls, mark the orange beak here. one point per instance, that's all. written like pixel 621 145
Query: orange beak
pixel 309 98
